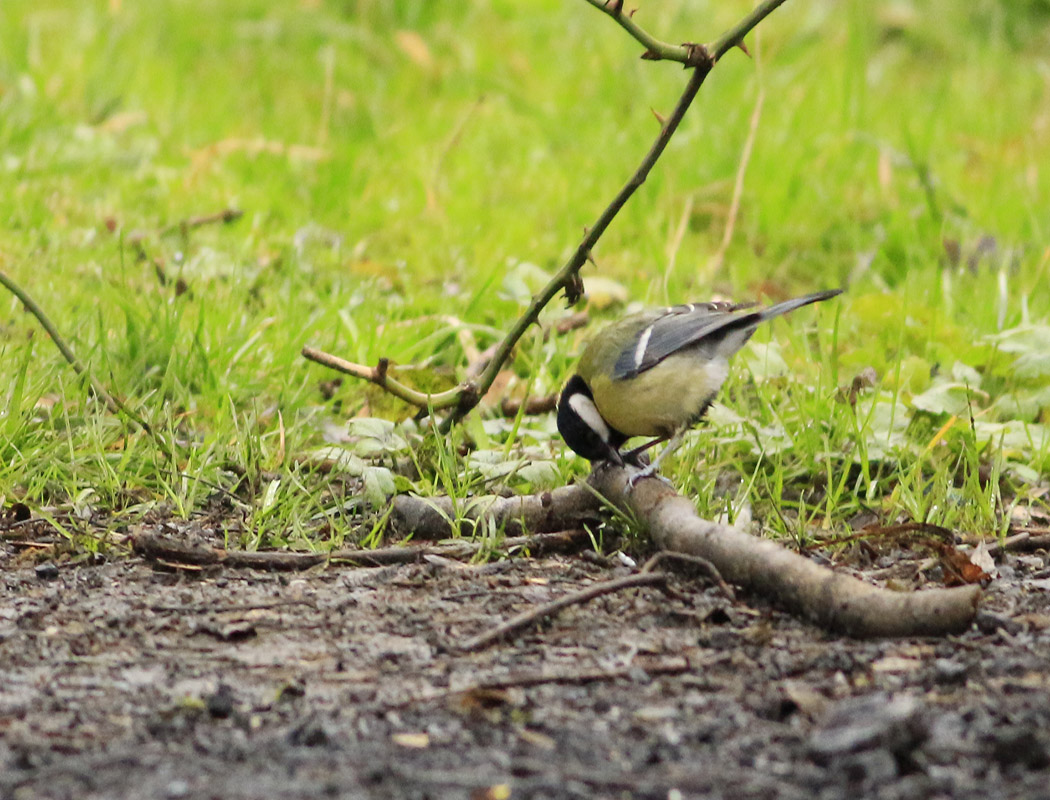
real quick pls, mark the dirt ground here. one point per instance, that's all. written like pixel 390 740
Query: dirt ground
pixel 133 680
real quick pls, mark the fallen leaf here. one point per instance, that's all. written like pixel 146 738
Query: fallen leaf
pixel 413 45
pixel 958 567
pixel 980 557
pixel 414 741
pixel 896 664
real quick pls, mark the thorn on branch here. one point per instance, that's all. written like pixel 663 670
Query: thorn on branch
pixel 651 55
pixel 468 397
pixel 574 289
pixel 743 47
pixel 659 117
pixel 615 7
pixel 379 372
pixel 699 56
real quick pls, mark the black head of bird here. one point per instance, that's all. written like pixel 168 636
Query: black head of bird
pixel 655 374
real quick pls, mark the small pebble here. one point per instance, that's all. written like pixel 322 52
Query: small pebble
pixel 176 789
pixel 1021 745
pixel 950 671
pixel 46 571
pixel 989 622
pixel 220 704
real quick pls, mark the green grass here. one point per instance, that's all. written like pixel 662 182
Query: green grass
pixel 409 170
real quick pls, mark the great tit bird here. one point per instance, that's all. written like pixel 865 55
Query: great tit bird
pixel 655 374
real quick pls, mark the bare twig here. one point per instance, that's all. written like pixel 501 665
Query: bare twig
pixel 534 615
pixel 115 406
pixel 567 277
pixel 380 376
pixel 700 59
pixel 184 226
pixel 225 216
pixel 703 563
pixel 877 531
pixel 655 50
pixel 1021 540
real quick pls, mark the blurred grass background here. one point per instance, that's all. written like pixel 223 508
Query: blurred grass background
pixel 409 171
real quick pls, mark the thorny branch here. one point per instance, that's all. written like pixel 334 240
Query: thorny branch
pixel 700 59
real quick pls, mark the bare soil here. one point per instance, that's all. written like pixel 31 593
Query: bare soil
pixel 134 680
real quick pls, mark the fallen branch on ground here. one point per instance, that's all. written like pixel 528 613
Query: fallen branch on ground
pixel 834 601
pixel 166 549
pixel 433 518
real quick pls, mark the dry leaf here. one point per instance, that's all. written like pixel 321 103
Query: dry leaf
pixel 896 664
pixel 415 741
pixel 980 557
pixel 413 46
pixel 958 567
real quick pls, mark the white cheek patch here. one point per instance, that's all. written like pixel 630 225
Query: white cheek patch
pixel 587 411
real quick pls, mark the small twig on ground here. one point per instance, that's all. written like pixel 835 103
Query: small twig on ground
pixel 115 406
pixel 168 550
pixel 535 615
pixel 1022 540
pixel 225 216
pixel 878 531
pixel 184 226
pixel 703 563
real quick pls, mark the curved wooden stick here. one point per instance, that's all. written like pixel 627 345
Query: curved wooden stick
pixel 831 600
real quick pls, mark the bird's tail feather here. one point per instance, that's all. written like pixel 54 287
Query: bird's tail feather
pixel 798 302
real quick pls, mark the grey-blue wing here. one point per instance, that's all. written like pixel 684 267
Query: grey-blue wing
pixel 677 328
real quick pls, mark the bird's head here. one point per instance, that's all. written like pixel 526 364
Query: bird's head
pixel 582 426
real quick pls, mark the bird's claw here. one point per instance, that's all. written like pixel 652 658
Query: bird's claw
pixel 642 474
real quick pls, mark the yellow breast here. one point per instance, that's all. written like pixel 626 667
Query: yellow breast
pixel 660 400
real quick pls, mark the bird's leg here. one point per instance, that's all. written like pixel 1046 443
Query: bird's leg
pixel 672 445
pixel 634 456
